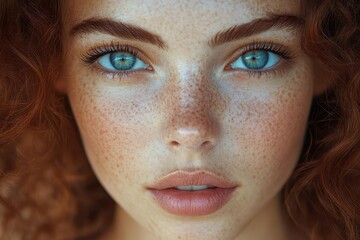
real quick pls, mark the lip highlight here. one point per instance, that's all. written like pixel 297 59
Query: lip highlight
pixel 192 203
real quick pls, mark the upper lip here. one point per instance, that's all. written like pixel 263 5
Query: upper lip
pixel 188 178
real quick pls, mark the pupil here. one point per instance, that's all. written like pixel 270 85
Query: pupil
pixel 122 60
pixel 255 59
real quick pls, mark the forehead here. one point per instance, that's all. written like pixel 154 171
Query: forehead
pixel 167 15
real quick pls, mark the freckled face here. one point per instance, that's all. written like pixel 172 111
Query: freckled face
pixel 189 105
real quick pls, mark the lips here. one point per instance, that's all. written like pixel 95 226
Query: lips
pixel 192 178
pixel 209 192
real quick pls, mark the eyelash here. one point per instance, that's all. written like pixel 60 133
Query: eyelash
pixel 95 53
pixel 283 52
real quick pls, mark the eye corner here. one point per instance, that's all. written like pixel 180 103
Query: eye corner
pixel 149 68
pixel 228 67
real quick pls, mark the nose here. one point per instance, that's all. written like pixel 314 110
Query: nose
pixel 195 131
pixel 191 124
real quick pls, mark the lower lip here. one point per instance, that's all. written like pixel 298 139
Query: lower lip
pixel 192 203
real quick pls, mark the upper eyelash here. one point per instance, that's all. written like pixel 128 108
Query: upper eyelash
pixel 269 46
pixel 94 53
pixel 278 49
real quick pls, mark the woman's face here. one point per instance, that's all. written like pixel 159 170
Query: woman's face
pixel 197 96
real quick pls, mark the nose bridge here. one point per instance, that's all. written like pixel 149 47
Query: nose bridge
pixel 190 122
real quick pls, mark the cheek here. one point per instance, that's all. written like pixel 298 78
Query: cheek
pixel 114 127
pixel 268 129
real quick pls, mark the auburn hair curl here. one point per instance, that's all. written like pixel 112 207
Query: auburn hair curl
pixel 46 180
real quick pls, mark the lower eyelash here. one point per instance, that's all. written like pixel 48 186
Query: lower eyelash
pixel 267 73
pixel 93 54
pixel 115 75
pixel 119 75
pixel 277 49
pixel 281 69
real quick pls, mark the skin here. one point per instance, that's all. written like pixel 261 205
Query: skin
pixel 254 125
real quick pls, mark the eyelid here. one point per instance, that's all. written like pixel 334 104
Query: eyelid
pixel 92 56
pixel 283 52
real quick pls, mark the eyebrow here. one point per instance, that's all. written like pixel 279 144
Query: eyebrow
pixel 117 29
pixel 133 32
pixel 257 26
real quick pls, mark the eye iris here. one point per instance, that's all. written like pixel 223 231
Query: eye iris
pixel 255 59
pixel 122 60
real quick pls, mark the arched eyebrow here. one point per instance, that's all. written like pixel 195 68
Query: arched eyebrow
pixel 257 26
pixel 134 32
pixel 117 29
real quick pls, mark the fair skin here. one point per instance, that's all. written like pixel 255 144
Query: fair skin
pixel 189 107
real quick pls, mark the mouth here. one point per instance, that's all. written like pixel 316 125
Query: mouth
pixel 192 193
pixel 194 188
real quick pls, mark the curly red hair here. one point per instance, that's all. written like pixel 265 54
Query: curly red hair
pixel 46 181
pixel 323 194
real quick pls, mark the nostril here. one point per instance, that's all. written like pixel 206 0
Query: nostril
pixel 174 143
pixel 206 144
